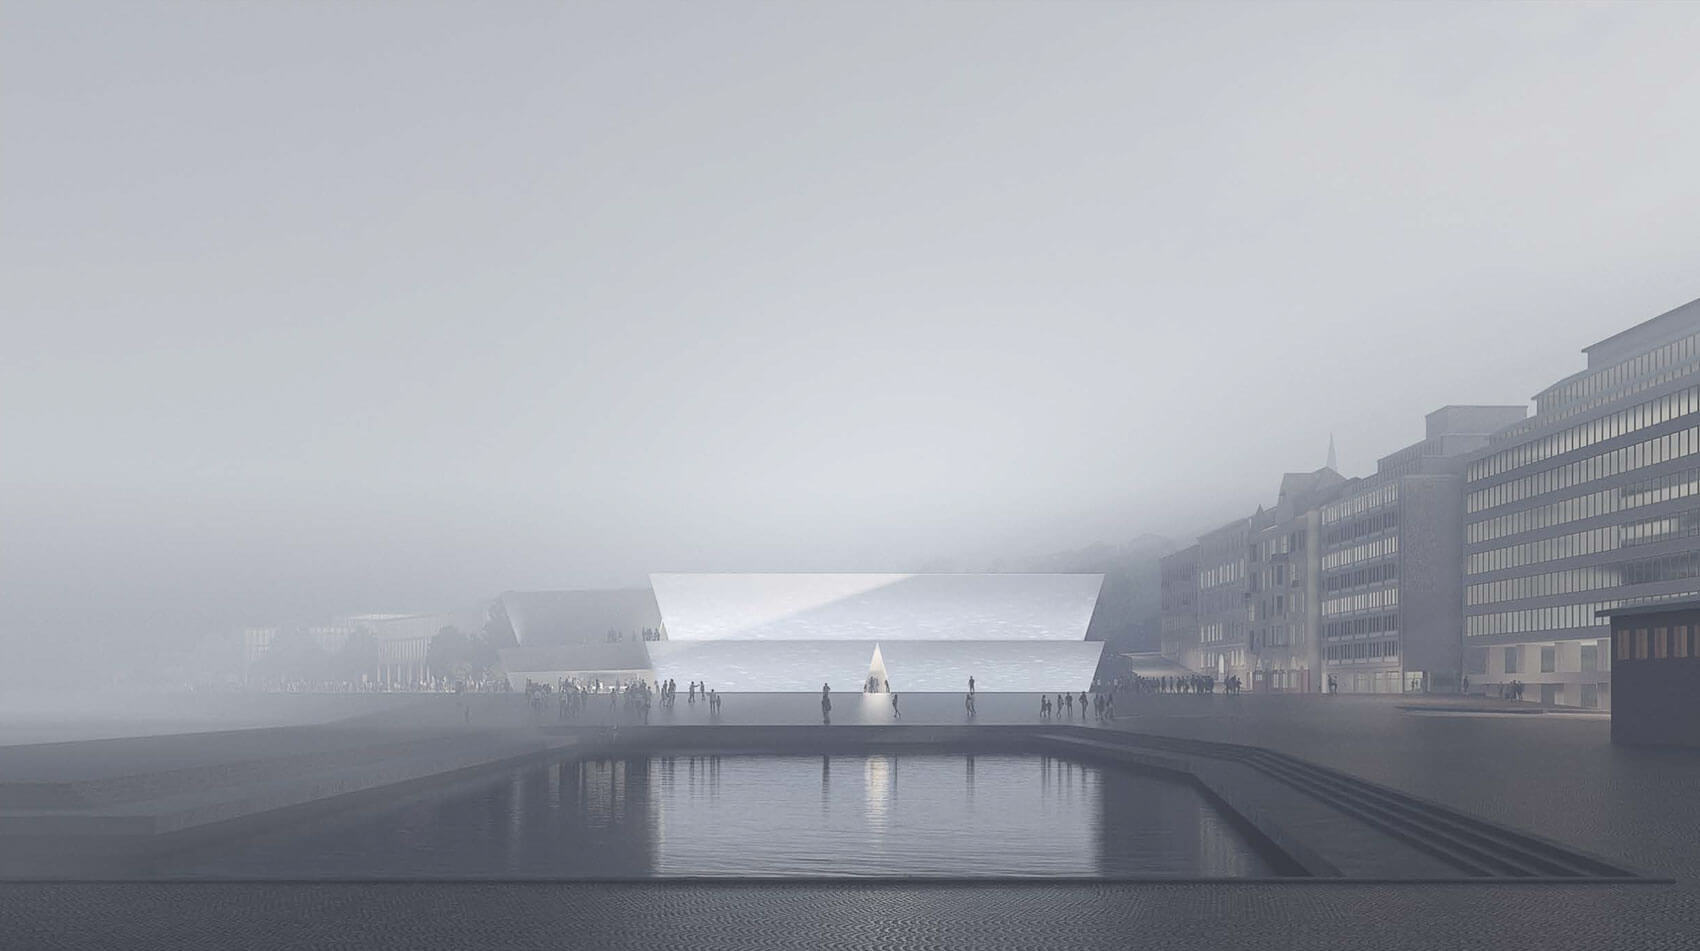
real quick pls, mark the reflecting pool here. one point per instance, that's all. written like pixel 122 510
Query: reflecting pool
pixel 758 815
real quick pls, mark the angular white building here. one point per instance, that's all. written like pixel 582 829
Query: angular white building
pixel 915 632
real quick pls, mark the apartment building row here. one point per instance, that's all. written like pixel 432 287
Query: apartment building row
pixel 1477 557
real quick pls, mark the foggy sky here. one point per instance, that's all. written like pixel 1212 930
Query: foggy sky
pixel 334 307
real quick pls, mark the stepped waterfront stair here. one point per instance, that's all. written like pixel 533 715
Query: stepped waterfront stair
pixel 1473 847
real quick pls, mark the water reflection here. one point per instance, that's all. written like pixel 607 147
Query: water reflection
pixel 877 782
pixel 762 815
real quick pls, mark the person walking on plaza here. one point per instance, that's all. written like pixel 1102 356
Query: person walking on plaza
pixel 970 684
pixel 826 703
pixel 894 714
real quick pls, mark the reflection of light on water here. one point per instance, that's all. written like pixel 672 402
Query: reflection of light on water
pixel 515 838
pixel 1219 849
pixel 661 787
pixel 878 778
pixel 825 785
pixel 704 777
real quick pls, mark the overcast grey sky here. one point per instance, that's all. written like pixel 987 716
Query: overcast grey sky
pixel 388 306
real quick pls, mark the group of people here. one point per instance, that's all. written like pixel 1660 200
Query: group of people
pixel 1103 705
pixel 1191 683
pixel 575 696
pixel 694 690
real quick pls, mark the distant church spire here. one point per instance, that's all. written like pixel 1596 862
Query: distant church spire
pixel 1332 462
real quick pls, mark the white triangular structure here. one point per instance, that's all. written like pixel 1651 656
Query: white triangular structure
pixel 922 632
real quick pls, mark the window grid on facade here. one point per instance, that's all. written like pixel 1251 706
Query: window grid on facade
pixel 1621 423
pixel 1606 378
pixel 1665 488
pixel 1649 452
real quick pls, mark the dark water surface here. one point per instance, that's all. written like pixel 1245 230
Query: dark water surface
pixel 736 815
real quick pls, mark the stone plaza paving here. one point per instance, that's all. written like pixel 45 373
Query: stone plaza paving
pixel 1554 774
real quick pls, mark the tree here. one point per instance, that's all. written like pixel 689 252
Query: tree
pixel 293 655
pixel 360 656
pixel 498 629
pixel 448 652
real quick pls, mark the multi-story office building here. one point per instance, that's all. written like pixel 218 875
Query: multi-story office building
pixel 1178 594
pixel 1590 504
pixel 1222 626
pixel 1391 583
pixel 1282 608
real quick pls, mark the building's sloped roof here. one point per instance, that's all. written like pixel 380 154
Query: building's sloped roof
pixel 1671 325
pixel 542 618
pixel 1151 664
pixel 876 607
pixel 620 655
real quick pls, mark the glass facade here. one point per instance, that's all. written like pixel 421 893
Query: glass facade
pixel 1650 452
pixel 1587 506
pixel 1665 488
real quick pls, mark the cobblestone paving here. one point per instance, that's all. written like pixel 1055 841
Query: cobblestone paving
pixel 889 916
